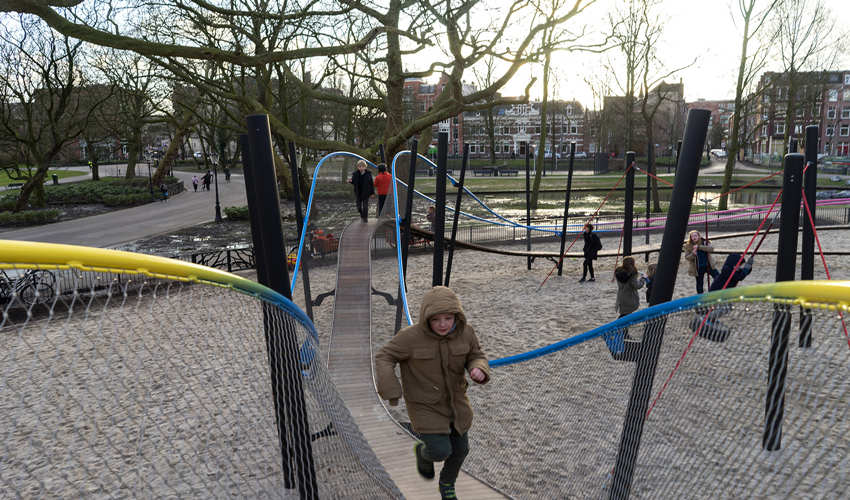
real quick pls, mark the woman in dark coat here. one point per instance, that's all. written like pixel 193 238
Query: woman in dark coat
pixel 592 245
pixel 364 188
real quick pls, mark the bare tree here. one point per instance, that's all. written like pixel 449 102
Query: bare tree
pixel 804 31
pixel 46 100
pixel 256 36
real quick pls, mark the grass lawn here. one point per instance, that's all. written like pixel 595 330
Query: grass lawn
pixel 5 181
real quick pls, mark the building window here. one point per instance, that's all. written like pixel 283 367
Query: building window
pixel 847 94
pixel 799 112
pixel 798 129
pixel 830 112
pixel 844 131
pixel 845 113
pixel 780 128
pixel 764 130
pixel 833 95
pixel 830 131
pixel 847 79
pixel 574 129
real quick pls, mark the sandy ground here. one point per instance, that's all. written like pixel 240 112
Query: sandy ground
pixel 520 439
pixel 545 428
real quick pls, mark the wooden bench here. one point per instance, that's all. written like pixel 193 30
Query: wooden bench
pixel 484 171
pixel 509 171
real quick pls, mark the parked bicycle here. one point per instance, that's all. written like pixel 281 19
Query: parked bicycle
pixel 35 286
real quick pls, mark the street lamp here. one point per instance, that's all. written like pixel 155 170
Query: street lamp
pixel 217 204
pixel 150 179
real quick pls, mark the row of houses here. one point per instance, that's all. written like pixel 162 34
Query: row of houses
pixel 778 110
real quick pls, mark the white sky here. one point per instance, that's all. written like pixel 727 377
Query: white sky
pixel 704 29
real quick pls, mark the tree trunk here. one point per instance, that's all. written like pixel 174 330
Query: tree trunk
pixel 541 148
pixel 491 135
pixel 33 188
pixel 133 150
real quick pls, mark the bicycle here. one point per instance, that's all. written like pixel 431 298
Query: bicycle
pixel 34 287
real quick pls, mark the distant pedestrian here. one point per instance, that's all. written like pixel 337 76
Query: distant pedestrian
pixel 163 189
pixel 432 216
pixel 207 179
pixel 195 182
pixel 226 174
pixel 592 246
pixel 650 279
pixel 382 186
pixel 364 188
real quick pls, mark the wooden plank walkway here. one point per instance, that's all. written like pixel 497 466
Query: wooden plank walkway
pixel 350 364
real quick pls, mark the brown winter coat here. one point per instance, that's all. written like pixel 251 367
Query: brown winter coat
pixel 433 367
pixel 688 249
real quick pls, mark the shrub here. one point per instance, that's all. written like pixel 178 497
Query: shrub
pixel 28 217
pixel 237 213
pixel 126 200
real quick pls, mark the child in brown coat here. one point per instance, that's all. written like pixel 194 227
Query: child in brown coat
pixel 434 355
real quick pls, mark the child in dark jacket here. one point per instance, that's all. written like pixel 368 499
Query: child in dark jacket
pixel 728 266
pixel 364 188
pixel 706 324
pixel 592 245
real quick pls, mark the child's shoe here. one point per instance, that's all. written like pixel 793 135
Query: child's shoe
pixel 582 280
pixel 592 279
pixel 447 491
pixel 424 467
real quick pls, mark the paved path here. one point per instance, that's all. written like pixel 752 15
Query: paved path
pixel 121 226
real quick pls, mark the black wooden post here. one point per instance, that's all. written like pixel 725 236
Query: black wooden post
pixel 281 339
pixel 628 212
pixel 299 218
pixel 649 161
pixel 528 202
pixel 440 209
pixel 566 207
pixel 807 263
pixel 786 262
pixel 687 171
pixel 405 220
pixel 456 217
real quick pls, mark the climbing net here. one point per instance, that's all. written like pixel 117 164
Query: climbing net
pixel 551 420
pixel 166 379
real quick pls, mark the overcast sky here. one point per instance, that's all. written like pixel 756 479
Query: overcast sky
pixel 704 30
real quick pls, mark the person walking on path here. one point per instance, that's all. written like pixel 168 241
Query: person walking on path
pixel 382 186
pixel 163 189
pixel 700 262
pixel 195 183
pixel 207 179
pixel 364 189
pixel 592 245
pixel 629 281
pixel 434 355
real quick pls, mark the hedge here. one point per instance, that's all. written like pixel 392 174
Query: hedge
pixel 28 217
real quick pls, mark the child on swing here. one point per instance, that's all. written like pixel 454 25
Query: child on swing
pixel 707 324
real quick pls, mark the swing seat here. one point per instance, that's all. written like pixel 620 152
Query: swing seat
pixel 711 330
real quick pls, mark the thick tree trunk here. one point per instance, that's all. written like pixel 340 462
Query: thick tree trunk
pixel 33 189
pixel 133 150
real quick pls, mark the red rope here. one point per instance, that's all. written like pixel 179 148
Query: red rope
pixel 823 259
pixel 590 219
pixel 647 172
pixel 747 185
pixel 705 317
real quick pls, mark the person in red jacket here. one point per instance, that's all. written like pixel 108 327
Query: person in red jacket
pixel 382 186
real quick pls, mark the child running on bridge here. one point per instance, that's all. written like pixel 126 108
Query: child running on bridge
pixel 433 356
